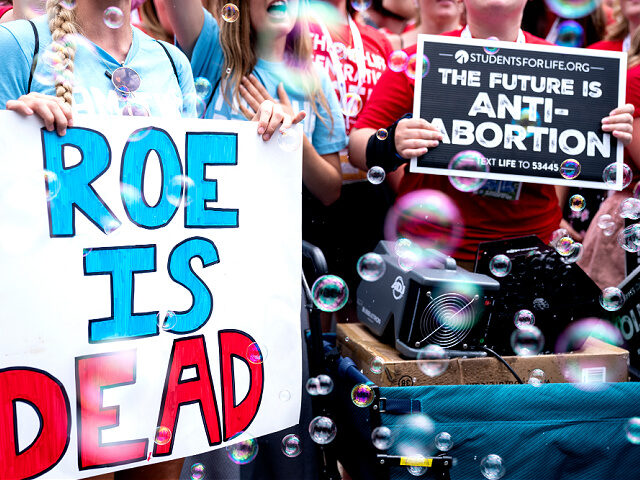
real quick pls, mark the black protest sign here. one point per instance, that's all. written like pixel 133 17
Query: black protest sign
pixel 526 108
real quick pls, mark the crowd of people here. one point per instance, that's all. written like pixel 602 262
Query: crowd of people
pixel 323 65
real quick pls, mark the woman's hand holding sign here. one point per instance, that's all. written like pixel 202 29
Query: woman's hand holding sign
pixel 415 136
pixel 620 123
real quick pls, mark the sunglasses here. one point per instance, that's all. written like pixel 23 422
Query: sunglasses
pixel 127 81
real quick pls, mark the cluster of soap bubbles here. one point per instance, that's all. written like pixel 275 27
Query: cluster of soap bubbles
pixel 243 452
pixel 537 377
pixel 291 445
pixel 399 61
pixel 570 250
pixel 606 223
pixel 572 8
pixel 475 164
pixel 197 471
pixel 362 395
pixel 322 430
pixel 423 221
pixel 630 208
pixel 330 293
pixel 371 267
pixel 320 385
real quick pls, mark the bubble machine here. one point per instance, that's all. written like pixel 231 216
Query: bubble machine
pixel 443 305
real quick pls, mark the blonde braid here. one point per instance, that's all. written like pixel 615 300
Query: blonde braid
pixel 62 24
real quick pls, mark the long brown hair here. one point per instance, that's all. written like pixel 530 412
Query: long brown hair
pixel 620 28
pixel 239 39
pixel 62 23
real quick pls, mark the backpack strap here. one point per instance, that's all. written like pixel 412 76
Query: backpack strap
pixel 173 64
pixel 36 50
pixel 213 94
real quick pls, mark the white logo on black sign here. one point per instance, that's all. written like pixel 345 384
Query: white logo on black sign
pixel 398 288
pixel 461 56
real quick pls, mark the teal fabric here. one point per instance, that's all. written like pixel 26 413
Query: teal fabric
pixel 555 431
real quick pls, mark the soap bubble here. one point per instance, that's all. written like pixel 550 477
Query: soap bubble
pixel 428 219
pixel 382 134
pixel 564 246
pixel 52 183
pixel 181 190
pixel 289 140
pixel 574 336
pixel 291 445
pixel 330 293
pixel 433 360
pixel 203 87
pixel 377 365
pixel 528 118
pixel 524 317
pixel 382 438
pixel 376 175
pixel 570 34
pixel 194 102
pixel 527 340
pixel 610 175
pixel 362 395
pixel 256 354
pixel 537 377
pixel 285 396
pixel 371 267
pixel 612 299
pixel 575 253
pixel 570 169
pixel 416 465
pixel 416 433
pixel 632 430
pixel 500 266
pixel 322 430
pixel 360 5
pixel 167 321
pixel 244 452
pixel 340 50
pixel 492 467
pixel 398 61
pixel 197 471
pixel 490 47
pixel 312 386
pixel 605 222
pixel 352 105
pixel 572 8
pixel 577 203
pixel 68 4
pixel 113 17
pixel 230 13
pixel 163 436
pixel 443 441
pixel 325 384
pixel 412 66
pixel 630 208
pixel 469 161
pixel 629 238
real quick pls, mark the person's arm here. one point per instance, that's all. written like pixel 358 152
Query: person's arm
pixel 634 146
pixel 321 174
pixel 187 19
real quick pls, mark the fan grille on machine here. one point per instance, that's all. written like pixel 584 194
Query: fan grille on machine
pixel 448 319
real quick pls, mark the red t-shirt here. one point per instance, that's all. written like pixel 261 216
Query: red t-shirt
pixel 611 45
pixel 535 212
pixel 4 10
pixel 376 50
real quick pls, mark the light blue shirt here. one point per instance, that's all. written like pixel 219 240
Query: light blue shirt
pixel 160 92
pixel 327 134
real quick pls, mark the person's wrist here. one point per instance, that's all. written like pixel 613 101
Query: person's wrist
pixel 382 152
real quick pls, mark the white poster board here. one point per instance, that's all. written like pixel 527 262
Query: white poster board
pixel 208 240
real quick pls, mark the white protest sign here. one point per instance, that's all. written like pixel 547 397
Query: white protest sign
pixel 150 280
